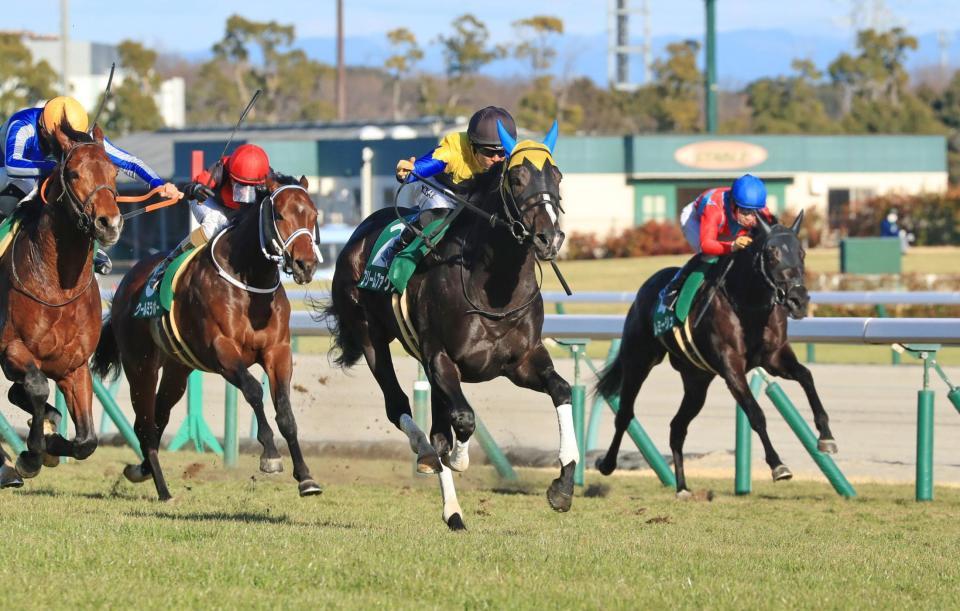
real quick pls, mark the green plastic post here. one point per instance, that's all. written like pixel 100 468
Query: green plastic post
pixel 809 440
pixel 60 402
pixel 954 396
pixel 494 453
pixel 578 401
pixel 10 435
pixel 742 479
pixel 231 443
pixel 112 410
pixel 925 445
pixel 421 405
pixel 596 410
pixel 106 424
pixel 646 447
pixel 295 344
pixel 194 427
pixel 811 353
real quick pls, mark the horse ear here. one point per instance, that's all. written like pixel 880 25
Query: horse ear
pixel 509 142
pixel 62 140
pixel 97 134
pixel 797 222
pixel 551 140
pixel 763 223
pixel 303 182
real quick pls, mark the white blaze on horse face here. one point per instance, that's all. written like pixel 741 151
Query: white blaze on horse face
pixel 460 455
pixel 450 503
pixel 552 214
pixel 568 439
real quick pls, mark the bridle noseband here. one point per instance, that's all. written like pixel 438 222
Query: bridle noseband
pixel 273 246
pixel 544 198
pixel 760 264
pixel 85 222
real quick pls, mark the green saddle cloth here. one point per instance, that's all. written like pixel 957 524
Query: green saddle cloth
pixel 383 276
pixel 157 294
pixel 663 318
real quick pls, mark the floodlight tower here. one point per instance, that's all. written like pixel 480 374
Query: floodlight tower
pixel 619 49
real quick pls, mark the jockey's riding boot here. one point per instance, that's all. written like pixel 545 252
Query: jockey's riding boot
pixel 671 292
pixel 101 262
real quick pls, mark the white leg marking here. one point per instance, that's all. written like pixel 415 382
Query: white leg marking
pixel 408 426
pixel 568 439
pixel 460 455
pixel 449 494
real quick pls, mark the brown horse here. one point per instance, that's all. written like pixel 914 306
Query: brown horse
pixel 50 301
pixel 232 312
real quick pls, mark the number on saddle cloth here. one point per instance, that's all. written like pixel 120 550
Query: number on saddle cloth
pixel 663 319
pixel 157 294
pixel 387 271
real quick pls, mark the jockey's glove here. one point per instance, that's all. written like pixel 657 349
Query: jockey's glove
pixel 741 242
pixel 197 192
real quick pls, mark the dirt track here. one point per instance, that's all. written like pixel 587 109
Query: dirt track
pixel 872 409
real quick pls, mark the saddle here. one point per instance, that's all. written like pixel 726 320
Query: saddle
pixel 663 318
pixel 386 272
pixel 157 295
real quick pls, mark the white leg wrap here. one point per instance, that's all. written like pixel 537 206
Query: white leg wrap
pixel 408 426
pixel 450 503
pixel 568 439
pixel 460 455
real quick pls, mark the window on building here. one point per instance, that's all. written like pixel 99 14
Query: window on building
pixel 654 207
pixel 837 199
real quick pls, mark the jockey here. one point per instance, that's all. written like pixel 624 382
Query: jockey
pixel 28 143
pixel 455 163
pixel 718 222
pixel 235 181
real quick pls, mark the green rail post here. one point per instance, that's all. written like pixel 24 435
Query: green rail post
pixel 807 438
pixel 421 405
pixel 295 344
pixel 650 452
pixel 811 353
pixel 194 427
pixel 60 402
pixel 10 435
pixel 112 410
pixel 596 410
pixel 106 424
pixel 494 453
pixel 578 401
pixel 894 354
pixel 231 444
pixel 742 478
pixel 925 399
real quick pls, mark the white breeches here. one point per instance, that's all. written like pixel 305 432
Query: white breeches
pixel 426 198
pixel 690 223
pixel 211 216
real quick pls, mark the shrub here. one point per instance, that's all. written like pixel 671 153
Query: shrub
pixel 651 238
pixel 932 218
pixel 811 232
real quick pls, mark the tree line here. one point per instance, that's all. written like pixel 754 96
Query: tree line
pixel 867 90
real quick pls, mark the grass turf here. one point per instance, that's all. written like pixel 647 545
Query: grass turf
pixel 80 533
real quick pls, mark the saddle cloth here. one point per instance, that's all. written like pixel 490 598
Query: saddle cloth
pixel 385 275
pixel 663 319
pixel 157 294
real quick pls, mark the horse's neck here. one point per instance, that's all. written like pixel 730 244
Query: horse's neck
pixel 238 251
pixel 746 287
pixel 499 265
pixel 57 251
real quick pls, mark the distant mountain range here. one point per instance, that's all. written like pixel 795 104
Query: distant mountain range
pixel 742 55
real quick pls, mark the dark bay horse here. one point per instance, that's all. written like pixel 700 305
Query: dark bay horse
pixel 232 312
pixel 476 311
pixel 50 300
pixel 745 326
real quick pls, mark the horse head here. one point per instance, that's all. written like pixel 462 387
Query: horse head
pixel 88 183
pixel 288 227
pixel 780 256
pixel 531 187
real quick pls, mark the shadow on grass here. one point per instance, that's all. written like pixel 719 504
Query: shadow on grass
pixel 216 516
pixel 94 496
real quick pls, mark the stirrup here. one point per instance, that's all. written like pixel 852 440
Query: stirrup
pixel 101 262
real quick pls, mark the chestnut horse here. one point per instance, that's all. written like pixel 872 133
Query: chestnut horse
pixel 745 327
pixel 232 312
pixel 50 300
pixel 477 311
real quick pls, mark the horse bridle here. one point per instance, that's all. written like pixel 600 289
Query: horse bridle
pixel 273 246
pixel 85 220
pixel 779 293
pixel 544 198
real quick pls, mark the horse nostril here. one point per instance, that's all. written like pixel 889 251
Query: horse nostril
pixel 103 222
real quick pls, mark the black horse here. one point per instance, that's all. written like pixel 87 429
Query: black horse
pixel 475 313
pixel 745 326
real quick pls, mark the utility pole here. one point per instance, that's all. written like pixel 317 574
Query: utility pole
pixel 711 73
pixel 341 71
pixel 64 46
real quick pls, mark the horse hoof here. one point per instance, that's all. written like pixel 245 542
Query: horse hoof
pixel 135 474
pixel 49 460
pixel 827 446
pixel 308 487
pixel 9 478
pixel 455 522
pixel 684 495
pixel 781 473
pixel 271 465
pixel 429 464
pixel 560 500
pixel 25 466
pixel 604 468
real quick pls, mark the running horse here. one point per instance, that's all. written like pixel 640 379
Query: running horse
pixel 50 300
pixel 231 311
pixel 743 311
pixel 474 310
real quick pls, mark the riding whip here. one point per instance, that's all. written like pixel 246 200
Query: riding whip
pixel 243 116
pixel 103 100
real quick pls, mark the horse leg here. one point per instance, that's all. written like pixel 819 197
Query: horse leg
pixel 77 389
pixel 736 379
pixel 37 389
pixel 17 395
pixel 278 363
pixel 695 384
pixel 784 363
pixel 445 379
pixel 537 372
pixel 9 478
pixel 142 375
pixel 376 351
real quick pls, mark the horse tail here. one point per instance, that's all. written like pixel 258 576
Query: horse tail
pixel 346 348
pixel 105 363
pixel 610 378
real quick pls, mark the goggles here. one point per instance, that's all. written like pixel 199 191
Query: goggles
pixel 244 194
pixel 490 151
